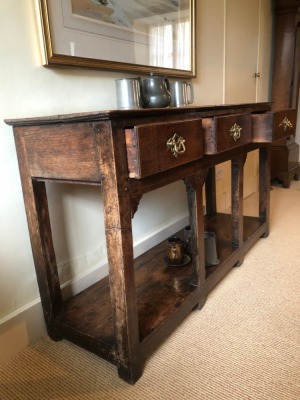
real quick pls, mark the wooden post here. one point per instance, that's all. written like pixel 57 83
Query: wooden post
pixel 237 185
pixel 264 186
pixel 194 188
pixel 36 205
pixel 118 229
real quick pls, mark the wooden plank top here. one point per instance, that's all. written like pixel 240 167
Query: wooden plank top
pixel 141 113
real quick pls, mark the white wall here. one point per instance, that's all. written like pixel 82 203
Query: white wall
pixel 29 89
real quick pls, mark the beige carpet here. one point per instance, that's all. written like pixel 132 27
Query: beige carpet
pixel 244 344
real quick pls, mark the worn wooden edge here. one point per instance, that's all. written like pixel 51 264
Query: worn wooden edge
pixel 131 140
pixel 209 139
pixel 120 114
pixel 262 127
pixel 265 125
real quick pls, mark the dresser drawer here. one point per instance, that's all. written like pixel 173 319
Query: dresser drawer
pixel 274 125
pixel 156 147
pixel 226 132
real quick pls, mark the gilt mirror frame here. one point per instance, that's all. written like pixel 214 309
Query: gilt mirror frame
pixel 84 33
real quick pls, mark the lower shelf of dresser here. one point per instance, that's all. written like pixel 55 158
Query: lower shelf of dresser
pixel 165 295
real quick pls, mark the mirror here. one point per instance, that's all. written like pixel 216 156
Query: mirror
pixel 142 36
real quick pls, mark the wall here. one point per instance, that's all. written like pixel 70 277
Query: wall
pixel 29 89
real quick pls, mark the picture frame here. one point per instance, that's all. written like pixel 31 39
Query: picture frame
pixel 158 38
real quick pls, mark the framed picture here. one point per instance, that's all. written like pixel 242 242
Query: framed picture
pixel 133 35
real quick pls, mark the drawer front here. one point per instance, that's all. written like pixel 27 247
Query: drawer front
pixel 274 125
pixel 157 147
pixel 62 151
pixel 226 132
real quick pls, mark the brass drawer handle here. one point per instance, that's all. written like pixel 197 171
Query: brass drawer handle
pixel 176 145
pixel 286 123
pixel 235 132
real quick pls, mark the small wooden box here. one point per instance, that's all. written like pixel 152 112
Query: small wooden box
pixel 150 147
pixel 226 132
pixel 274 125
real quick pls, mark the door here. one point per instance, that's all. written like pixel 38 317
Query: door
pixel 241 50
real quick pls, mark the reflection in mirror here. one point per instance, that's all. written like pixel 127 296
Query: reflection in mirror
pixel 170 44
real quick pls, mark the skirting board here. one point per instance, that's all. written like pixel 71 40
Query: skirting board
pixel 25 325
pixel 21 329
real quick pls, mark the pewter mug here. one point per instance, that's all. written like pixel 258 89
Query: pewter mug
pixel 155 92
pixel 182 93
pixel 128 94
pixel 211 257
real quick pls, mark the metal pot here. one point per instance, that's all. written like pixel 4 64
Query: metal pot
pixel 155 92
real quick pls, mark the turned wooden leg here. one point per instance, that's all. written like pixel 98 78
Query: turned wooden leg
pixel 194 187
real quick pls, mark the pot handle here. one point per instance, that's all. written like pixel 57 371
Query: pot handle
pixel 167 83
pixel 191 99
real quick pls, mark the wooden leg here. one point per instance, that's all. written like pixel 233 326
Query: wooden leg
pixel 202 302
pixel 45 260
pixel 210 191
pixel 117 218
pixel 237 215
pixel 288 176
pixel 240 262
pixel 124 302
pixel 36 206
pixel 297 173
pixel 237 184
pixel 43 252
pixel 264 187
pixel 194 187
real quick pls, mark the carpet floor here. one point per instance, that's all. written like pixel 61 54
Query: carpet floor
pixel 244 343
